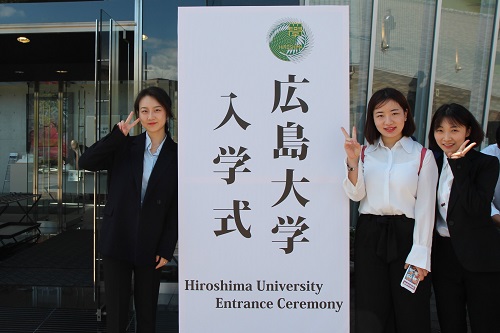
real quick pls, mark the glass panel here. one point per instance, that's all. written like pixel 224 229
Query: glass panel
pixel 252 2
pixel 14 160
pixel 46 127
pixel 494 110
pixel 360 21
pixel 160 49
pixel 59 113
pixel 494 107
pixel 114 101
pixel 403 51
pixel 113 86
pixel 464 54
pixel 74 188
pixel 79 11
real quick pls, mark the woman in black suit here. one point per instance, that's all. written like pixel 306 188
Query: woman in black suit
pixel 466 246
pixel 139 230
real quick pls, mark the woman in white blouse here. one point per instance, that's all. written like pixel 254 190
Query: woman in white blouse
pixel 394 179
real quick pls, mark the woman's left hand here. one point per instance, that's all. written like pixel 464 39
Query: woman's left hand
pixel 161 261
pixel 462 150
pixel 422 273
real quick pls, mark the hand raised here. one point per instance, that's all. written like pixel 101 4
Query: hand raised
pixel 462 150
pixel 126 126
pixel 351 145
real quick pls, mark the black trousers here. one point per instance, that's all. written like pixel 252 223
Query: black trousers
pixel 459 292
pixel 118 289
pixel 382 244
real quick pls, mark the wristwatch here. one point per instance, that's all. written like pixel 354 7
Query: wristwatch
pixel 349 168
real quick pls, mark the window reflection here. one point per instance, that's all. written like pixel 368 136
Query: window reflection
pixel 464 54
pixel 404 35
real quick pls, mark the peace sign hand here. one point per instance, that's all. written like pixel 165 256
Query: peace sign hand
pixel 352 146
pixel 126 126
pixel 462 150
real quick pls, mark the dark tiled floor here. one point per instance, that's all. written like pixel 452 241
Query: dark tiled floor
pixel 49 288
pixel 60 320
pixel 50 309
pixel 64 261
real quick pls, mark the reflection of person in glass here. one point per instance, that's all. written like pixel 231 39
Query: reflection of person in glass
pixel 388 25
pixel 417 83
pixel 394 179
pixel 139 230
pixel 76 152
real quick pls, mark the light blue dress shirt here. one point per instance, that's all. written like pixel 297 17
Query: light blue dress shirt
pixel 149 163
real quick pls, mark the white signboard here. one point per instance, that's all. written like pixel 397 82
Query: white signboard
pixel 264 226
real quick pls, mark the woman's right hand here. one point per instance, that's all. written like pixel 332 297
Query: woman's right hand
pixel 422 272
pixel 352 146
pixel 126 126
pixel 464 149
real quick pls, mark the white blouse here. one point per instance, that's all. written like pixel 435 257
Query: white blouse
pixel 389 184
pixel 443 196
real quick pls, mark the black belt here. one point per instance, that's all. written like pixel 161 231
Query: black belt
pixel 387 245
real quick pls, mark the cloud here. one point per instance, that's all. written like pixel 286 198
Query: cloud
pixel 162 59
pixel 7 11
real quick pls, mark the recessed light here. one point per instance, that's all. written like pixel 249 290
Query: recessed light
pixel 23 40
pixel 19 72
pixel 61 71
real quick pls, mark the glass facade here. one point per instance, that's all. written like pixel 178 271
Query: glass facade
pixel 435 52
pixel 404 39
pixel 464 55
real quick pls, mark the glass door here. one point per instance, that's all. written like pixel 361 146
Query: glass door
pixel 114 101
pixel 54 130
pixel 47 105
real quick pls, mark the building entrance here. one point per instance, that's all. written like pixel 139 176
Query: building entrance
pixel 56 94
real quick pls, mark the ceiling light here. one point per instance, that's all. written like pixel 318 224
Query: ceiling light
pixel 18 72
pixel 62 71
pixel 23 40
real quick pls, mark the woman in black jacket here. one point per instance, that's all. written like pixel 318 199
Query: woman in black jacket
pixel 466 246
pixel 139 230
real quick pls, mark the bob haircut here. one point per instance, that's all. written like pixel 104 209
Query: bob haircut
pixel 456 114
pixel 378 99
pixel 157 93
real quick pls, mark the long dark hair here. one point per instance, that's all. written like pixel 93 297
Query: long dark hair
pixel 379 98
pixel 456 114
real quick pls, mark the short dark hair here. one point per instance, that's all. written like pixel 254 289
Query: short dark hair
pixel 379 98
pixel 458 115
pixel 157 93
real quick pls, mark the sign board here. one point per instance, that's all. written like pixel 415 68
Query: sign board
pixel 263 218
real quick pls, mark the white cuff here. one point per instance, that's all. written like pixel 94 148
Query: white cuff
pixel 420 256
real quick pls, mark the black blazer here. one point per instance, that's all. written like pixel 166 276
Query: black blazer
pixel 131 232
pixel 475 238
